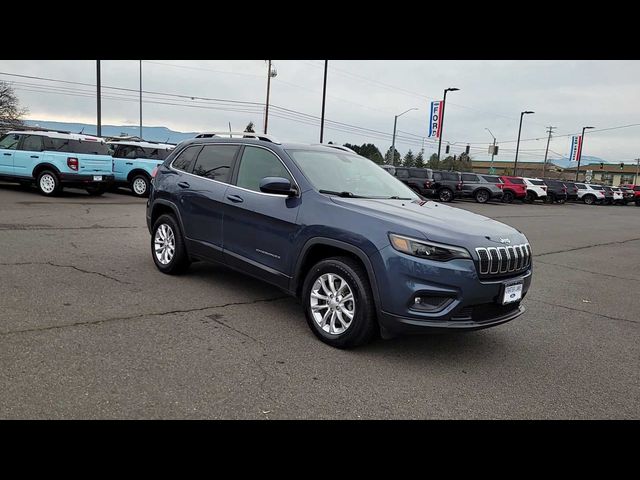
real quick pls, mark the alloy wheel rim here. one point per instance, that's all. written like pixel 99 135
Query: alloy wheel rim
pixel 332 303
pixel 445 195
pixel 47 183
pixel 139 186
pixel 164 244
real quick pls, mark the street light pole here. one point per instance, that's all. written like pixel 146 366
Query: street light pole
pixel 393 141
pixel 324 96
pixel 546 152
pixel 140 99
pixel 580 152
pixel 515 164
pixel 99 106
pixel 635 182
pixel 444 99
pixel 493 151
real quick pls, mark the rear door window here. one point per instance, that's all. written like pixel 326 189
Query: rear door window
pixel 187 158
pixel 492 179
pixel 418 173
pixel 581 186
pixel 437 176
pixel 402 173
pixel 215 161
pixel 32 143
pixel 517 181
pixel 467 177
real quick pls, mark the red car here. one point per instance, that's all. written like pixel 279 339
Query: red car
pixel 513 187
pixel 636 192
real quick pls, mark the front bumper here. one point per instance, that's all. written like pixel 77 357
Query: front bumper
pixel 81 180
pixel 472 303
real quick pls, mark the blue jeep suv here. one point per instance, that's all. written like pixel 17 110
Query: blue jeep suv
pixel 362 251
pixel 54 159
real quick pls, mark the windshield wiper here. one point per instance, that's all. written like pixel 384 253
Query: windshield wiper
pixel 396 197
pixel 341 194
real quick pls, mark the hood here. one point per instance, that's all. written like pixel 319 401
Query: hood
pixel 436 221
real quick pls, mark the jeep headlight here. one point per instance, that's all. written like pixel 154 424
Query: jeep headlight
pixel 426 249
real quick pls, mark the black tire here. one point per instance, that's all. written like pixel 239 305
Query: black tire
pixel 445 195
pixel 363 326
pixel 48 183
pixel 482 196
pixel 589 199
pixel 550 198
pixel 97 190
pixel 530 197
pixel 561 200
pixel 139 185
pixel 507 197
pixel 180 262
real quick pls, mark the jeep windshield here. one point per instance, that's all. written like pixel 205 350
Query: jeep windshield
pixel 349 175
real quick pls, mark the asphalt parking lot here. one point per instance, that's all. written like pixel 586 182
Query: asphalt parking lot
pixel 90 329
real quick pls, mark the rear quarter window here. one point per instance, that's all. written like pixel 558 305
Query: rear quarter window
pixel 467 177
pixel 517 181
pixel 402 173
pixel 418 173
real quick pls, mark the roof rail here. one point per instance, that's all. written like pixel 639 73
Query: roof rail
pixel 259 136
pixel 339 147
pixel 33 128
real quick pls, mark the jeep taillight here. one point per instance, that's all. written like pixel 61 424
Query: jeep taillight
pixel 459 186
pixel 427 184
pixel 72 163
pixel 154 171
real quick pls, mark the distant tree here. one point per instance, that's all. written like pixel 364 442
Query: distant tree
pixel 249 128
pixel 419 163
pixel 11 112
pixel 433 161
pixel 330 143
pixel 355 148
pixel 409 159
pixel 396 157
pixel 507 171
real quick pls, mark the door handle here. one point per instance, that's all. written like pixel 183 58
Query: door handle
pixel 235 198
pixel 7 154
pixel 35 156
pixel 128 163
pixel 183 185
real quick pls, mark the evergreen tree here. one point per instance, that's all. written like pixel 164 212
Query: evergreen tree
pixel 433 162
pixel 409 159
pixel 419 163
pixel 249 128
pixel 396 157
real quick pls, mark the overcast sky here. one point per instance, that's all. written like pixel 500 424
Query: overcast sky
pixel 365 94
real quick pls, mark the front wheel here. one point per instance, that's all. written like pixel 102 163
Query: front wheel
pixel 140 186
pixel 48 183
pixel 561 200
pixel 507 197
pixel 530 198
pixel 338 303
pixel 445 195
pixel 167 246
pixel 589 199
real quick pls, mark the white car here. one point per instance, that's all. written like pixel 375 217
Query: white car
pixel 536 190
pixel 618 196
pixel 590 194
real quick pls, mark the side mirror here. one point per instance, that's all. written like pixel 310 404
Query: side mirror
pixel 277 185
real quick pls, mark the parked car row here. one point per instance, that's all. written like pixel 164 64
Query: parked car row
pixel 54 160
pixel 447 186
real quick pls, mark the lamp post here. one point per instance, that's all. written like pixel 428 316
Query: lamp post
pixel 324 96
pixel 493 151
pixel 393 142
pixel 444 99
pixel 99 101
pixel 140 99
pixel 270 73
pixel 515 164
pixel 580 152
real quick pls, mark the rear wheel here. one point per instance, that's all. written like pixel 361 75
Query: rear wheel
pixel 48 183
pixel 561 200
pixel 167 246
pixel 445 195
pixel 482 196
pixel 338 303
pixel 550 198
pixel 507 197
pixel 589 199
pixel 530 198
pixel 140 185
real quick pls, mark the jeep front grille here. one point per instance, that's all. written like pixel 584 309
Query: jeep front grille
pixel 503 260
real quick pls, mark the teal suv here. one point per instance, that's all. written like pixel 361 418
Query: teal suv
pixel 54 160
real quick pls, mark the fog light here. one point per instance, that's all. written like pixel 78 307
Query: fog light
pixel 430 303
pixel 417 300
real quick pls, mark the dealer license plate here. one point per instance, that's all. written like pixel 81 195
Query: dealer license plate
pixel 512 293
pixel 97 178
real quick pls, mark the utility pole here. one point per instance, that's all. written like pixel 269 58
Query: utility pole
pixel 99 109
pixel 635 182
pixel 393 142
pixel 140 99
pixel 324 97
pixel 546 152
pixel 493 150
pixel 270 74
